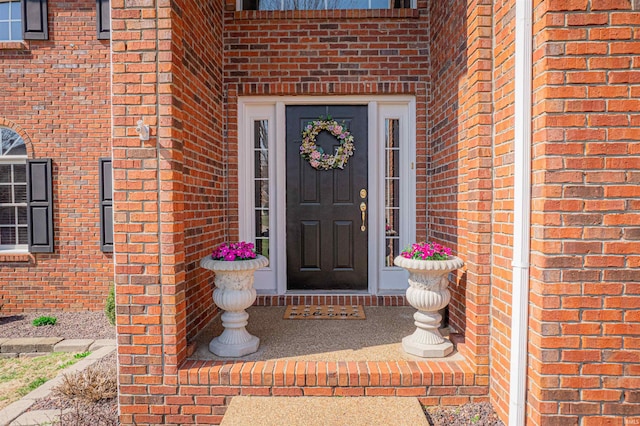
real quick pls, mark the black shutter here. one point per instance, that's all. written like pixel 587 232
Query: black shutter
pixel 103 15
pixel 40 206
pixel 34 20
pixel 106 206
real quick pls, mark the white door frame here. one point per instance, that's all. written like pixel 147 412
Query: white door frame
pixel 273 279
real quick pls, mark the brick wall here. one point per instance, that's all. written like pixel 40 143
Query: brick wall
pixel 584 333
pixel 502 224
pixel 459 183
pixel 198 78
pixel 56 93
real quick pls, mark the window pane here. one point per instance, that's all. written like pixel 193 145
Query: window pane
pixel 262 246
pixel 322 4
pixel 18 147
pixel 261 164
pixel 392 248
pixel 22 215
pixel 16 32
pixel 10 139
pixel 393 133
pixel 262 223
pixel 392 223
pixel 16 10
pixel 20 173
pixel 8 236
pixel 7 215
pixel 20 193
pixel 348 4
pixel 267 5
pixel 5 194
pixel 392 163
pixel 4 30
pixel 4 11
pixel 22 235
pixel 5 173
pixel 261 128
pixel 392 193
pixel 262 194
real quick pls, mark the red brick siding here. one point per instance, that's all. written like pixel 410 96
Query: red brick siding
pixel 502 226
pixel 459 184
pixel 56 93
pixel 198 79
pixel 584 329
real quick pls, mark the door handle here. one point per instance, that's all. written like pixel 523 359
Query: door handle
pixel 363 211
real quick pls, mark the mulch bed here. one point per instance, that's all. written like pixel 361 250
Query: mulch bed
pixel 69 325
pixel 480 414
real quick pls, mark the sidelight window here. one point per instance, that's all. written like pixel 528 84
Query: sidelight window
pixel 261 185
pixel 392 190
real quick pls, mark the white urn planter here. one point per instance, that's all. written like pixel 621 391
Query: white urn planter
pixel 234 293
pixel 428 293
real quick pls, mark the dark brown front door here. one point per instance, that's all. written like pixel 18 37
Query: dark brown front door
pixel 326 246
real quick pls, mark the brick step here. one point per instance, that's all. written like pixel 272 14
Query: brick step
pixel 206 387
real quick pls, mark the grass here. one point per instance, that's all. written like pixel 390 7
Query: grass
pixel 32 386
pixel 19 376
pixel 44 320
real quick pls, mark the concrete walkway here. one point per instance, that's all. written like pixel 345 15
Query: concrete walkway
pixel 15 414
pixel 323 411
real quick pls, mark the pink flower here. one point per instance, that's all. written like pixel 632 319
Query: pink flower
pixel 315 155
pixel 426 251
pixel 314 164
pixel 234 251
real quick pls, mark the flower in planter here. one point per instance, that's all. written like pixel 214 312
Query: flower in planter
pixel 426 251
pixel 234 251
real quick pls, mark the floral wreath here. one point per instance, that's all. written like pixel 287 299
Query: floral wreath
pixel 315 155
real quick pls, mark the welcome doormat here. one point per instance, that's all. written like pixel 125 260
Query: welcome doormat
pixel 325 312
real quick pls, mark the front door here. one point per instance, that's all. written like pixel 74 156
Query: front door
pixel 327 232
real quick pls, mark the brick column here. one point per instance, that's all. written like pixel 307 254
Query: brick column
pixel 149 251
pixel 584 332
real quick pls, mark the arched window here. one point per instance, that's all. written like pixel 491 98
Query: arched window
pixel 13 191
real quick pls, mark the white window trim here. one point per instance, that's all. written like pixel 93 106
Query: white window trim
pixel 272 279
pixel 14 248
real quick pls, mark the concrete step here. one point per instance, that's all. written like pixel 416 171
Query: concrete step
pixel 29 344
pixel 323 411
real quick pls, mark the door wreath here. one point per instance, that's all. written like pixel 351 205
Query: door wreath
pixel 315 155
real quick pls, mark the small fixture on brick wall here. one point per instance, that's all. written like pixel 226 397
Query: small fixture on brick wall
pixel 142 130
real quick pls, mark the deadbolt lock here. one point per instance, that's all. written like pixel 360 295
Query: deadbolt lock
pixel 363 193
